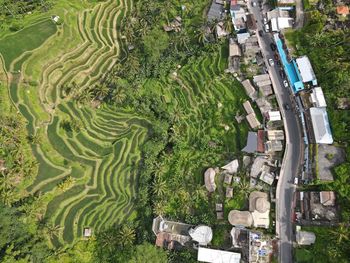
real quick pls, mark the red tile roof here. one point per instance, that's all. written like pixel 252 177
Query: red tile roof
pixel 342 10
pixel 261 135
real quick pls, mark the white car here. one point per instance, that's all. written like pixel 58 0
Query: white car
pixel 296 180
pixel 254 4
pixel 285 83
pixel 265 20
pixel 267 28
pixel 271 62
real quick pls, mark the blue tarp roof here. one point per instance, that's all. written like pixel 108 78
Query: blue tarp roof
pixel 289 67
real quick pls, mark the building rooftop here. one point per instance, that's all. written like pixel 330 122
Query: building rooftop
pixel 266 90
pixel 279 23
pixel 253 121
pixel 234 49
pixel 321 126
pixel 317 97
pixel 201 234
pixel 342 10
pixel 209 179
pixel 306 71
pixel 242 37
pixel 240 218
pixel 217 256
pixel 273 135
pixel 251 24
pixel 248 107
pixel 267 177
pixel 274 115
pixel 231 167
pixel 327 198
pixel 252 143
pixel 261 137
pixel 249 89
pixel 274 146
pixel 229 192
pixel 305 238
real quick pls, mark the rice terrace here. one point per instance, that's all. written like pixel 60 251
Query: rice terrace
pixel 97 142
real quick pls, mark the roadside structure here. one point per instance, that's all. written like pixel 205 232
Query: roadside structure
pixel 306 71
pixel 274 116
pixel 317 98
pixel 258 214
pixel 321 126
pixel 217 256
pixel 316 208
pixel 305 238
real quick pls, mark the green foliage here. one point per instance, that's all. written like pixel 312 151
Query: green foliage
pixel 331 246
pixel 16 242
pixel 148 253
pixel 155 42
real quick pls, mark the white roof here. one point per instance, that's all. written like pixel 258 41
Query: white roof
pixel 217 256
pixel 231 167
pixel 274 115
pixel 305 68
pixel 320 124
pixel 317 97
pixel 242 37
pixel 280 23
pixel 202 234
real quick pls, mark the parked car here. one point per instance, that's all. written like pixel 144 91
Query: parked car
pixel 276 56
pixel 282 74
pixel 296 180
pixel 271 62
pixel 267 28
pixel 261 33
pixel 279 63
pixel 273 46
pixel 286 106
pixel 285 83
pixel 254 4
pixel 265 20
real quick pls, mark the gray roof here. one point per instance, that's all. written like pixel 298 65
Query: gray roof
pixel 305 238
pixel 252 143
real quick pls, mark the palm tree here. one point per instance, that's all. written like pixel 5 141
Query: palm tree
pixel 244 186
pixel 52 230
pixel 85 97
pixel 227 23
pixel 159 187
pixel 341 233
pixel 119 95
pixel 159 208
pixel 126 235
pixel 133 64
pixel 202 35
pixel 101 91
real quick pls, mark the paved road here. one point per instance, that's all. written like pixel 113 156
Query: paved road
pixel 293 154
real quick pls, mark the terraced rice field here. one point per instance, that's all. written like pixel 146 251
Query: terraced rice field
pixel 99 160
pixel 208 100
pixel 89 173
